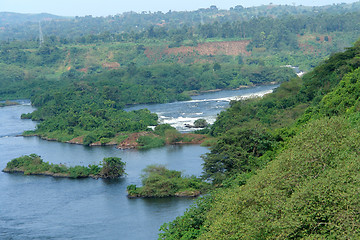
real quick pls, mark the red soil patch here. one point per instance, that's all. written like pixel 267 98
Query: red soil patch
pixel 233 48
pixel 131 142
pixel 78 140
pixel 84 70
pixel 111 65
pixel 310 49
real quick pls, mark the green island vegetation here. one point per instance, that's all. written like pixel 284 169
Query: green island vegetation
pixel 159 181
pixel 111 167
pixel 286 165
pixel 8 103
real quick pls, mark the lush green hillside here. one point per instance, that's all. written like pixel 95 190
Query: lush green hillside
pixel 285 173
pixel 310 190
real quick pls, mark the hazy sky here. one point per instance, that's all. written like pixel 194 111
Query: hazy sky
pixel 112 7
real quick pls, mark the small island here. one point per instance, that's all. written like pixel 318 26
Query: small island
pixel 8 103
pixel 111 167
pixel 199 123
pixel 159 181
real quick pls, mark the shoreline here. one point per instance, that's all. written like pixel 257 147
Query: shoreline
pixel 128 143
pixel 46 173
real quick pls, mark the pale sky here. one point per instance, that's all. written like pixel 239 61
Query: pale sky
pixel 112 7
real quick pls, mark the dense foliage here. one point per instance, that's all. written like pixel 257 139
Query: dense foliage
pixel 236 152
pixel 303 183
pixel 81 110
pixel 308 191
pixel 158 181
pixel 111 167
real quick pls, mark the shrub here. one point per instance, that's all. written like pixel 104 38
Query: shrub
pixel 146 142
pixel 172 135
pixel 160 129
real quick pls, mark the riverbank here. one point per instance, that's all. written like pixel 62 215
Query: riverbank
pixel 197 92
pixel 131 140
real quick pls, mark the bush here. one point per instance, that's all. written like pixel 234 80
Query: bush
pixel 79 172
pixel 89 139
pixel 160 129
pixel 146 142
pixel 172 135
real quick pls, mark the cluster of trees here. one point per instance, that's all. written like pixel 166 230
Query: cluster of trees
pixel 159 181
pixel 287 164
pixel 84 110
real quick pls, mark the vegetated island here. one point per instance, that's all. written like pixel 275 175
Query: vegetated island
pixel 158 181
pixel 8 103
pixel 163 134
pixel 111 167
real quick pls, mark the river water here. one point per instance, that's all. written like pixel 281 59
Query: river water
pixel 39 207
pixel 205 106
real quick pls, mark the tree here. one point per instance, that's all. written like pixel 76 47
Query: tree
pixel 112 167
pixel 216 67
pixel 236 152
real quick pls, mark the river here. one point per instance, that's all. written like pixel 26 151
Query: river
pixel 39 207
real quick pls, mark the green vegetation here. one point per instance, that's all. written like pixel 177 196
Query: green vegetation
pixel 147 142
pixel 164 134
pixel 8 103
pixel 285 165
pixel 111 167
pixel 201 123
pixel 160 182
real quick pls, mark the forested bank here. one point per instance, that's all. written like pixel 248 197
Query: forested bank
pixel 286 165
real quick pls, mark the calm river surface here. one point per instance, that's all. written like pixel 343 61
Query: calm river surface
pixel 38 207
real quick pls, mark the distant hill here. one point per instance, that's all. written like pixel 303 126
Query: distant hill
pixel 9 18
pixel 25 26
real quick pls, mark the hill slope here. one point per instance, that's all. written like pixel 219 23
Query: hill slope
pixel 295 180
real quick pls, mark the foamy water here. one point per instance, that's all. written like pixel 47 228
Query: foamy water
pixel 206 106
